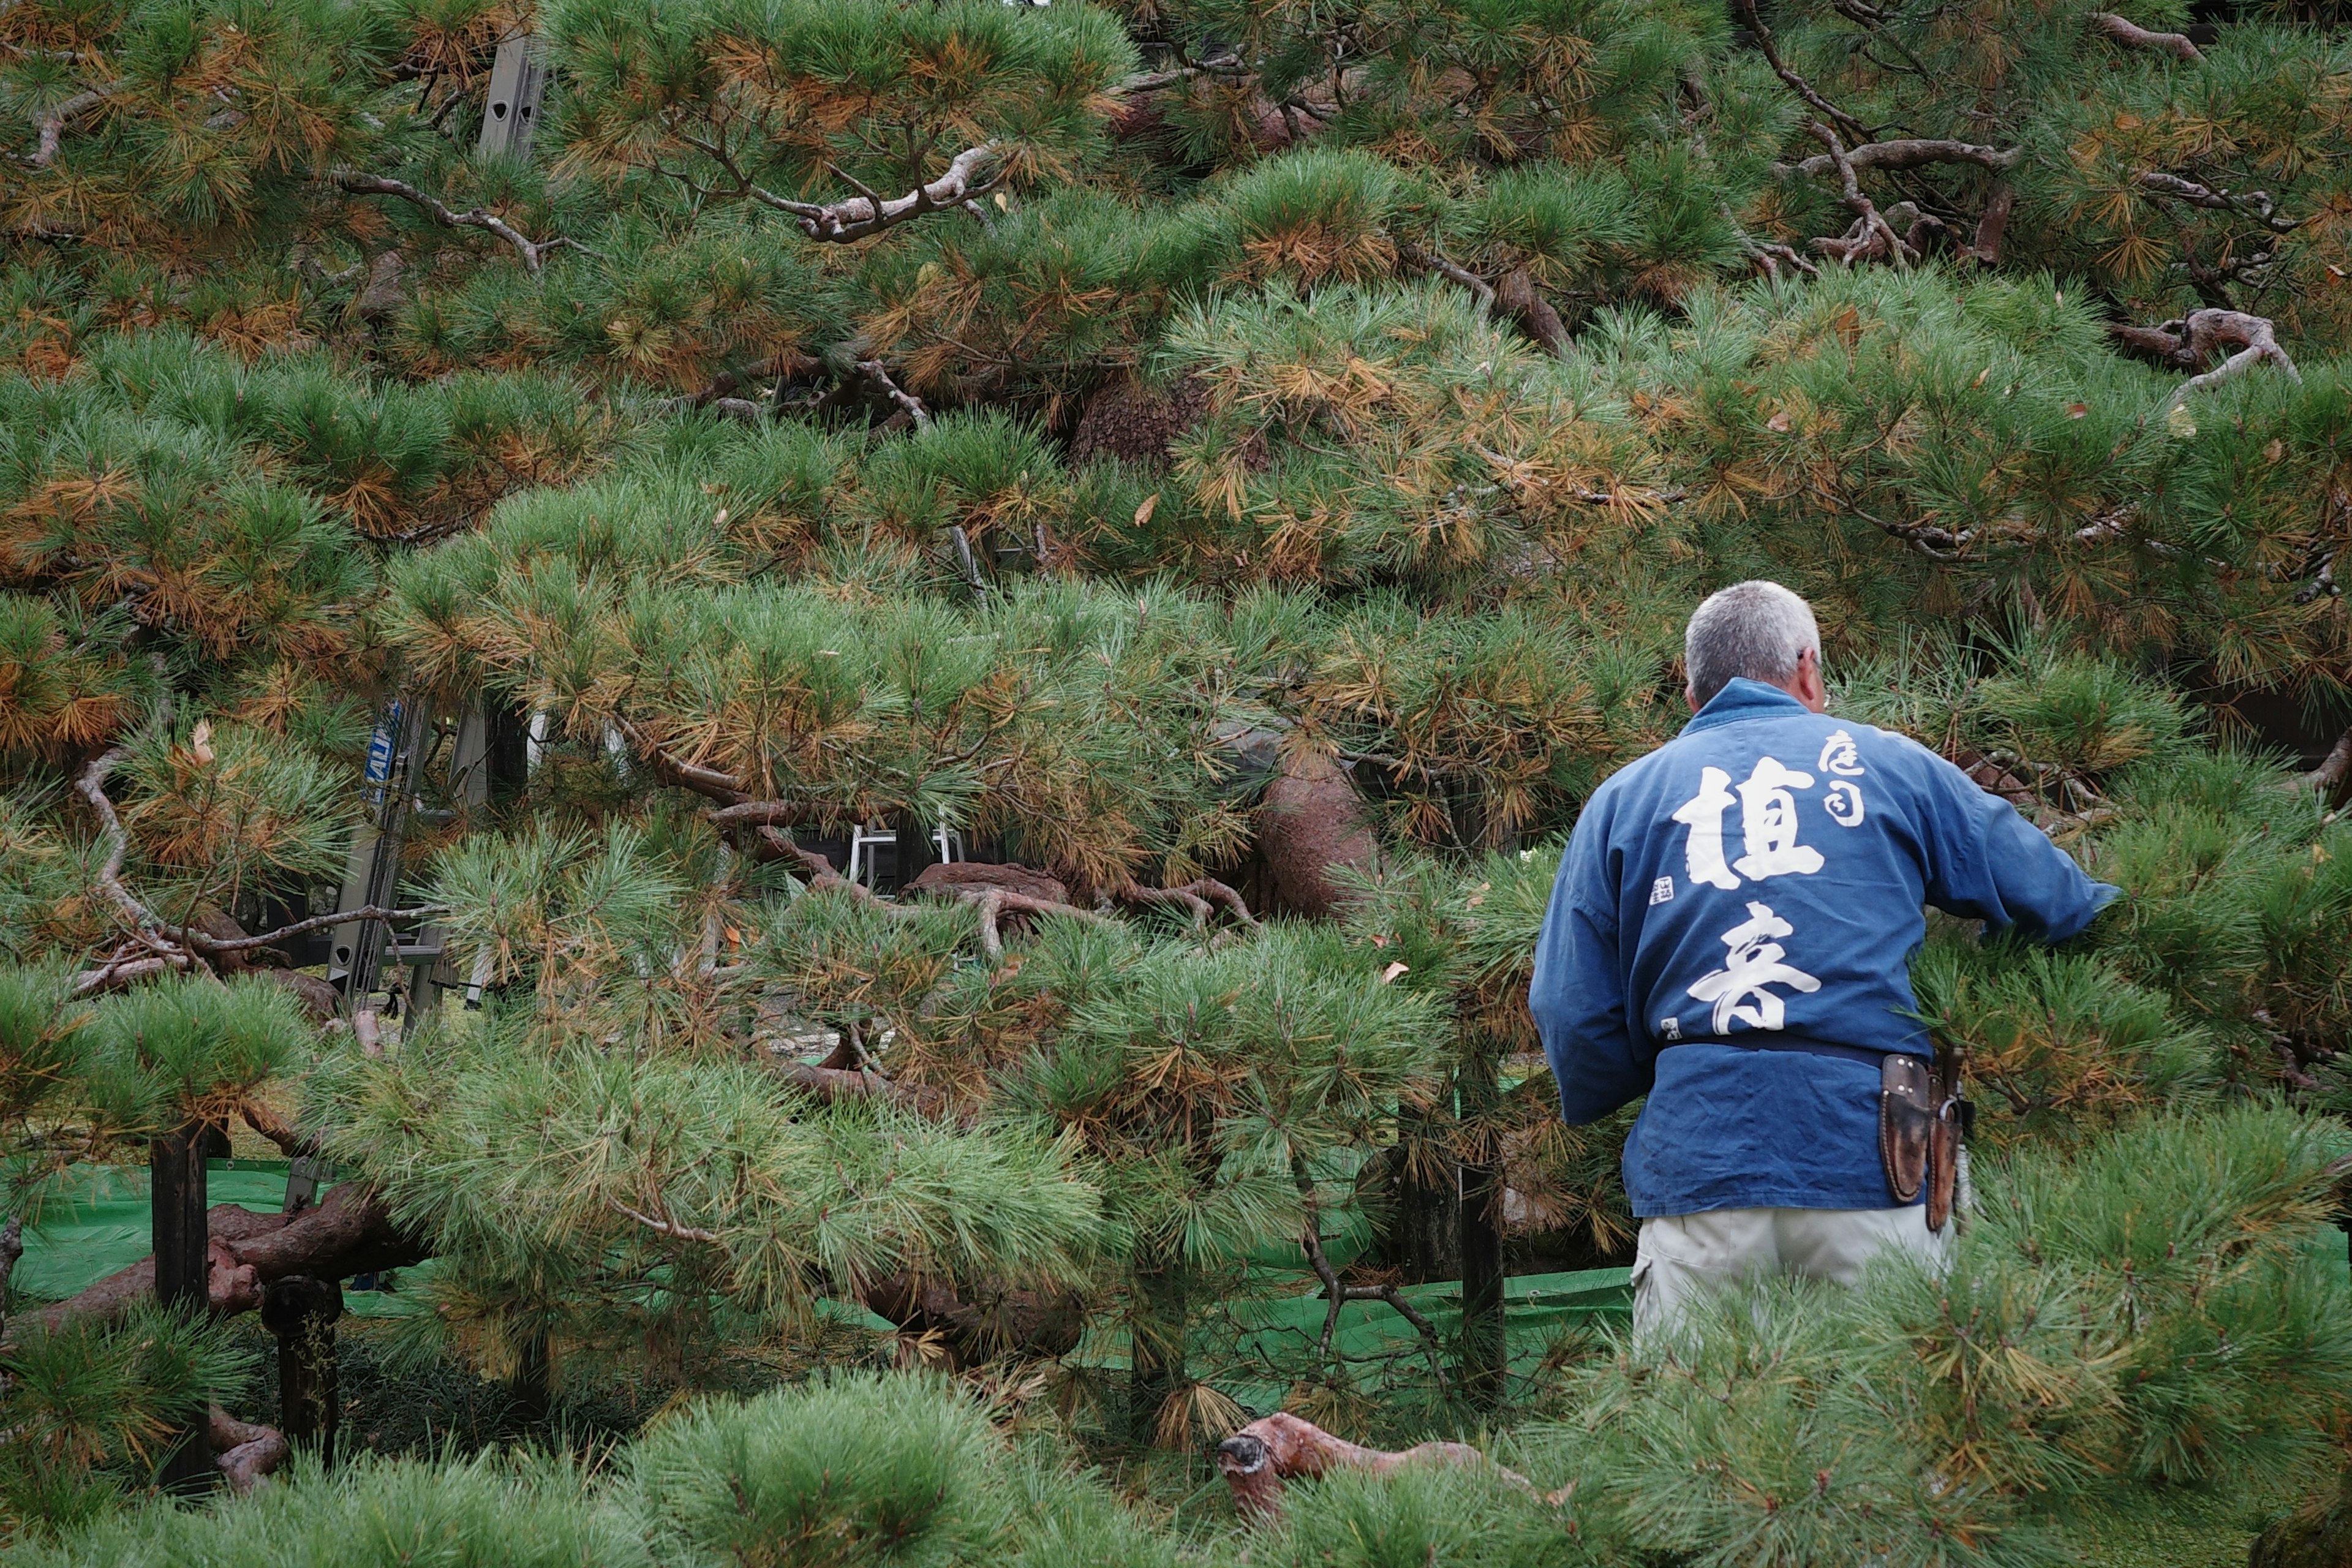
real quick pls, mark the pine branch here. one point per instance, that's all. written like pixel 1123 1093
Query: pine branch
pixel 2189 343
pixel 2197 195
pixel 532 251
pixel 1908 154
pixel 878 376
pixel 124 971
pixel 1226 64
pixel 210 944
pixel 1770 253
pixel 169 946
pixel 661 1227
pixel 1516 296
pixel 838 223
pixel 2130 34
pixel 1872 236
pixel 1339 1295
pixel 293 1143
pixel 52 126
pixel 1992 224
pixel 724 788
pixel 91 787
pixel 348 1232
pixel 1200 897
pixel 1795 84
pixel 12 1248
pixel 1426 260
pixel 758 814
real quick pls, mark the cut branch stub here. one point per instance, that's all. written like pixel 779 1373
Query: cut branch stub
pixel 1256 1460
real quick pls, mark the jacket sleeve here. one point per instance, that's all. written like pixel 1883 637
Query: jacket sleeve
pixel 1987 862
pixel 1578 993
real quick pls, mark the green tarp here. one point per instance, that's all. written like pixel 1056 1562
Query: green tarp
pixel 1235 1345
pixel 94 1220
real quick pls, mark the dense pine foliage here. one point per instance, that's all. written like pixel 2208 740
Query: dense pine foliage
pixel 1247 463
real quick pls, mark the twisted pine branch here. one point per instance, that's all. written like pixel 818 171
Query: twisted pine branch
pixel 162 944
pixel 2199 194
pixel 91 787
pixel 51 126
pixel 2133 35
pixel 1871 235
pixel 2190 342
pixel 1200 899
pixel 1907 154
pixel 1339 1295
pixel 878 376
pixel 1795 84
pixel 859 217
pixel 532 251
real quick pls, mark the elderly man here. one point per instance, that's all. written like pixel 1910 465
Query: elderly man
pixel 1731 935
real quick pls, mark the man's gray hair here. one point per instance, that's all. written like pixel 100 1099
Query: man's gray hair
pixel 1755 629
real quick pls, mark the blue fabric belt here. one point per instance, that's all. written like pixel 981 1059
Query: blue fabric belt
pixel 1803 1047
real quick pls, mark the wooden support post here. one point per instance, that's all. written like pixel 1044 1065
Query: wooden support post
pixel 1484 1353
pixel 533 1384
pixel 181 1236
pixel 1156 1335
pixel 301 1311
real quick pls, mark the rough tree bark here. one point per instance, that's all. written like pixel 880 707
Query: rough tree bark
pixel 347 1233
pixel 1312 822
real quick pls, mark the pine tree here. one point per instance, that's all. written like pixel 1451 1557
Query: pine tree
pixel 1236 470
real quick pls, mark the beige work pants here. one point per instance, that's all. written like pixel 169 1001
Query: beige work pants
pixel 1682 1255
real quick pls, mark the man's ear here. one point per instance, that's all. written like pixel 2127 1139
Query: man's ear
pixel 1808 686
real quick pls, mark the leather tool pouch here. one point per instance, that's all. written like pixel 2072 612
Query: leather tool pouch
pixel 1907 1120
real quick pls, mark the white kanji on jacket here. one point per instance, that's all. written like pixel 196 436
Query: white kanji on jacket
pixel 1754 965
pixel 1768 825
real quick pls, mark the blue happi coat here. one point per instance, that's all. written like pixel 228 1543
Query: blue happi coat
pixel 1731 934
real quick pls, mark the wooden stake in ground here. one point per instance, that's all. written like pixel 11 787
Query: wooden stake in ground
pixel 176 1163
pixel 301 1311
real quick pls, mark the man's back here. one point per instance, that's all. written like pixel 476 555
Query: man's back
pixel 1732 932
